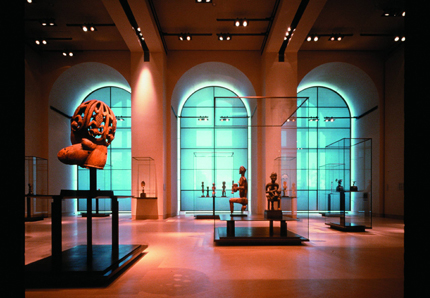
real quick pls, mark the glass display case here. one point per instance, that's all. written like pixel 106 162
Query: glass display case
pixel 286 168
pixel 145 184
pixel 293 173
pixel 144 203
pixel 36 183
pixel 348 184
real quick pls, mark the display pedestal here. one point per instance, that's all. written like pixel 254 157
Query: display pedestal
pixel 342 224
pixel 97 213
pixel 208 216
pixel 273 214
pixel 232 235
pixel 30 217
pixel 84 265
pixel 289 205
pixel 146 208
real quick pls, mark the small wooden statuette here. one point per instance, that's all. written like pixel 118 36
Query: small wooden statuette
pixel 213 189
pixel 223 189
pixel 354 187
pixel 143 194
pixel 207 192
pixel 285 189
pixel 203 189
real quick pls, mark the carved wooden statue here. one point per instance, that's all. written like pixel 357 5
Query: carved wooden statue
pixel 93 127
pixel 243 191
pixel 273 193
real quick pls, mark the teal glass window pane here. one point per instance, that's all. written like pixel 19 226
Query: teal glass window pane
pixel 323 102
pixel 102 94
pixel 116 175
pixel 122 139
pixel 197 138
pixel 121 180
pixel 211 150
pixel 122 158
pixel 120 98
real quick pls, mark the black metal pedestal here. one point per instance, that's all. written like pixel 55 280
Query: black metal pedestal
pixel 84 265
pixel 208 216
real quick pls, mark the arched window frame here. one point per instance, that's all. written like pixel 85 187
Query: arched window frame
pixel 179 147
pixel 119 155
pixel 314 144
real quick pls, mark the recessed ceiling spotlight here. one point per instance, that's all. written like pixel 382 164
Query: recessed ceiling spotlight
pixel 185 36
pixel 241 22
pixel 224 36
pixel 88 28
pixel 48 23
pixel 40 42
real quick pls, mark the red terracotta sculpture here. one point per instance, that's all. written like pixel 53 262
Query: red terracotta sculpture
pixel 93 127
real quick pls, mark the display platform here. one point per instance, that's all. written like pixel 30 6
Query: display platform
pixel 232 235
pixel 83 265
pixel 346 227
pixel 75 270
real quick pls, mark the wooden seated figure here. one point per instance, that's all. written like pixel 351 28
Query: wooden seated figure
pixel 273 193
pixel 243 191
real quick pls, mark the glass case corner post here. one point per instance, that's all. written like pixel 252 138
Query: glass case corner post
pixel 146 179
pixel 36 182
pixel 361 177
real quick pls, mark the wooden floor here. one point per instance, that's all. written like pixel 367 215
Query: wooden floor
pixel 182 260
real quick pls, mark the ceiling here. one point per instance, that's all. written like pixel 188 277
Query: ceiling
pixel 161 22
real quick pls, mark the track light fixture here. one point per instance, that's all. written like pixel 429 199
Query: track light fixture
pixel 328 119
pixel 312 37
pixel 399 38
pixel 48 23
pixel 331 37
pixel 185 36
pixel 224 119
pixel 88 28
pixel 203 118
pixel 312 119
pixel 224 36
pixel 241 22
pixel 393 13
pixel 68 54
pixel 41 42
pixel 336 37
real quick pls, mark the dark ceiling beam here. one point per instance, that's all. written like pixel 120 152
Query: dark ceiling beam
pixel 133 23
pixel 293 26
pixel 269 26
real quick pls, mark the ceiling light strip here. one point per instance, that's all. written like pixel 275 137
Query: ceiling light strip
pixel 133 23
pixel 294 23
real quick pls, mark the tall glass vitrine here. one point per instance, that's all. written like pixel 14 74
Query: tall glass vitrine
pixel 348 180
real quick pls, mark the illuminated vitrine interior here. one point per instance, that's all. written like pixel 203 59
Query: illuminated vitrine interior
pixel 348 180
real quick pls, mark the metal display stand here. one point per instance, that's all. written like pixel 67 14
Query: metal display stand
pixel 83 265
pixel 232 235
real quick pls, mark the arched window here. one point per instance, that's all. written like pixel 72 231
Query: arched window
pixel 334 123
pixel 213 145
pixel 116 174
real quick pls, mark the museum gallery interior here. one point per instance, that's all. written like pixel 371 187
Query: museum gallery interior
pixel 220 148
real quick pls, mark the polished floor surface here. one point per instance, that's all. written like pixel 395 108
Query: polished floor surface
pixel 182 261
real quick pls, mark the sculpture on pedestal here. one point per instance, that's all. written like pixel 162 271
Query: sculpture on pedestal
pixel 213 189
pixel 93 127
pixel 273 193
pixel 142 194
pixel 223 189
pixel 242 187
